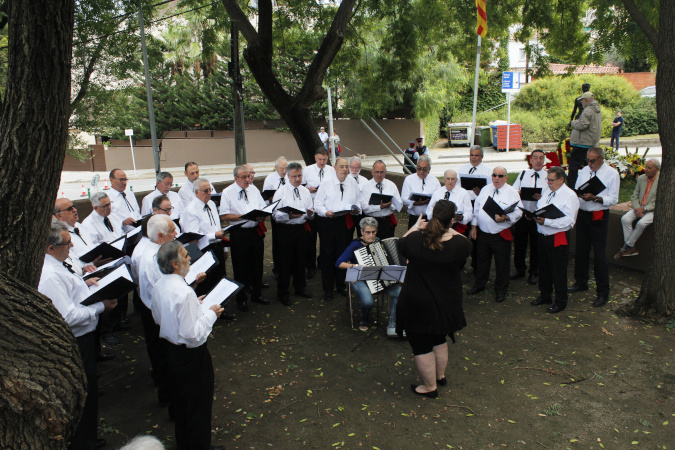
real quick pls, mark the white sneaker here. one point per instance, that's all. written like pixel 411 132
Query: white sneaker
pixel 391 332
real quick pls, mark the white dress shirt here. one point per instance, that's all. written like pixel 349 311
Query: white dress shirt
pixel 458 196
pixel 273 182
pixel 83 242
pixel 323 136
pixel 360 180
pixel 124 206
pixel 148 272
pixel 506 197
pixel 531 178
pixel 237 201
pixel 414 184
pixel 610 196
pixel 196 219
pixel 175 202
pixel 312 176
pixel 136 259
pixel 66 291
pixel 177 311
pixel 480 170
pixel 387 188
pixel 300 199
pixel 329 197
pixel 566 200
pixel 95 227
pixel 187 193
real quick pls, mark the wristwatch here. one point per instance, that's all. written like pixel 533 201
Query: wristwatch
pixel 598 200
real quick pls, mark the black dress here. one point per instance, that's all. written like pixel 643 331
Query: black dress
pixel 431 298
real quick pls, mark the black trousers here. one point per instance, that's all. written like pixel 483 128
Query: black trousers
pixel 292 252
pixel 592 234
pixel 86 431
pixel 275 247
pixel 191 374
pixel 248 249
pixel 310 256
pixel 384 228
pixel 156 352
pixel 474 247
pixel 490 245
pixel 335 237
pixel 577 161
pixel 553 269
pixel 524 232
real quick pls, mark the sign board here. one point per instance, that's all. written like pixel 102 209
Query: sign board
pixel 129 132
pixel 510 81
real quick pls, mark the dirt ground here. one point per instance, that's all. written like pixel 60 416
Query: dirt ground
pixel 518 377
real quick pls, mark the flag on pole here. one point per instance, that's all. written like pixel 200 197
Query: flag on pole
pixel 481 25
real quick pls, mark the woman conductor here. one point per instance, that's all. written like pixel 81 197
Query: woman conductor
pixel 430 304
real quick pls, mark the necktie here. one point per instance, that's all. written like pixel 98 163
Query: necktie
pixel 496 192
pixel 342 191
pixel 379 186
pixel 107 224
pixel 296 194
pixel 69 267
pixel 424 180
pixel 356 177
pixel 536 177
pixel 77 232
pixel 550 197
pixel 320 174
pixel 212 221
pixel 447 195
pixel 131 208
pixel 243 195
pixel 281 182
pixel 473 169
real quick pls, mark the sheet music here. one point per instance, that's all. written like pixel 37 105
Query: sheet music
pixel 204 264
pixel 121 271
pixel 119 243
pixel 113 263
pixel 134 231
pixel 270 208
pixel 385 273
pixel 219 294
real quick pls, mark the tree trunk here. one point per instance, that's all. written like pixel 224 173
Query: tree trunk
pixel 42 380
pixel 658 287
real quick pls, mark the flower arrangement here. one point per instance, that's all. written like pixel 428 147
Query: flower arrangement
pixel 630 166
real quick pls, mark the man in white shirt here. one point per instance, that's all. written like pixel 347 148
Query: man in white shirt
pixel 336 195
pixel 65 211
pixel 248 240
pixel 187 191
pixel 418 183
pixel 592 225
pixel 451 191
pixel 292 231
pixel 67 290
pixel 553 238
pixel 185 327
pixel 101 224
pixel 312 177
pixel 124 204
pixel 323 137
pixel 384 211
pixel 355 171
pixel 201 215
pixel 164 183
pixel 526 230
pixel 273 182
pixel 493 234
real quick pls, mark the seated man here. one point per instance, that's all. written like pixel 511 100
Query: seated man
pixel 348 259
pixel 643 202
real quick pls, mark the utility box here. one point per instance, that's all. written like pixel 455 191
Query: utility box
pixel 499 136
pixel 483 136
pixel 459 133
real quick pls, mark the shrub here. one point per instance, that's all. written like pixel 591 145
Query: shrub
pixel 640 118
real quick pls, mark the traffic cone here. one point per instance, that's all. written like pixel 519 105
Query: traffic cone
pixel 63 195
pixel 84 192
pixel 105 182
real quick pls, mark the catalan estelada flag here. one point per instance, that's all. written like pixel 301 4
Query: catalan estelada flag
pixel 481 25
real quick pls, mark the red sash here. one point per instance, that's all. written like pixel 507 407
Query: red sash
pixel 560 239
pixel 307 227
pixel 349 221
pixel 261 228
pixel 597 215
pixel 506 234
pixel 460 227
pixel 392 220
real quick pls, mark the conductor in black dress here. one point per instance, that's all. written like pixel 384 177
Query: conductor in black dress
pixel 430 304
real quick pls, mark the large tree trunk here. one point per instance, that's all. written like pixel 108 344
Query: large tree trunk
pixel 41 376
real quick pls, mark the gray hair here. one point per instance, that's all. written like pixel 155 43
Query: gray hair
pixel 280 159
pixel 424 158
pixel 144 443
pixel 168 253
pixel 559 172
pixel 598 151
pixel 355 158
pixel 198 181
pixel 55 236
pixel 449 172
pixel 158 223
pixel 162 175
pixel 656 162
pixel 97 197
pixel 474 147
pixel 368 222
pixel 379 161
pixel 238 169
pixel 294 166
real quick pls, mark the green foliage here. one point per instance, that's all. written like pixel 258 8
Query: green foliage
pixel 640 118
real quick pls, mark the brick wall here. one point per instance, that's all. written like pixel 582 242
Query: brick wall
pixel 639 80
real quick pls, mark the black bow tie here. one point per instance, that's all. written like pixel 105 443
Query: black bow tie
pixel 320 174
pixel 473 169
pixel 379 186
pixel 282 182
pixel 107 224
pixel 447 195
pixel 536 177
pixel 356 177
pixel 243 195
pixel 496 192
pixel 342 191
pixel 131 208
pixel 69 267
pixel 77 232
pixel 296 193
pixel 212 221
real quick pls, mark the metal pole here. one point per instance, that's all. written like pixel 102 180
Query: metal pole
pixel 405 169
pixel 148 88
pixel 508 121
pixel 391 140
pixel 475 94
pixel 330 130
pixel 235 73
pixel 133 158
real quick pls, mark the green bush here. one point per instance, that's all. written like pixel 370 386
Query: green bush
pixel 640 118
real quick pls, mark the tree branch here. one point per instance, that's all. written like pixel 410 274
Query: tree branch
pixel 265 16
pixel 643 23
pixel 86 78
pixel 238 17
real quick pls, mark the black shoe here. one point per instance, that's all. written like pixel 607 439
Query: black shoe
pixel 226 316
pixel 125 324
pixel 533 278
pixel 310 273
pixel 343 292
pixel 328 296
pixel 243 306
pixel 304 294
pixel 265 285
pixel 104 356
pixel 109 339
pixel 262 300
pixel 500 298
pixel 100 443
pixel 541 301
pixel 442 382
pixel 285 300
pixel 577 288
pixel 475 290
pixel 601 300
pixel 555 308
pixel 516 275
pixel 432 394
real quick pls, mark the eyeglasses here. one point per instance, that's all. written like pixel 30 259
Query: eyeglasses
pixel 71 209
pixel 549 181
pixel 498 175
pixel 168 210
pixel 422 169
pixel 123 180
pixel 592 161
pixel 67 243
pixel 369 232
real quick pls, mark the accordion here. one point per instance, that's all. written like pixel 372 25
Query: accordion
pixel 379 253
